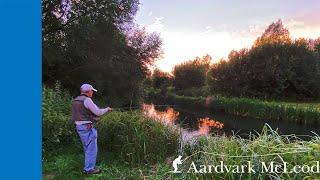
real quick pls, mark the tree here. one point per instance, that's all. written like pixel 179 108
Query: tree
pixel 87 41
pixel 275 33
pixel 191 73
pixel 275 67
pixel 161 79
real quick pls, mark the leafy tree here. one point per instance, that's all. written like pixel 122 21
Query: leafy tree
pixel 161 79
pixel 191 73
pixel 275 33
pixel 88 41
pixel 275 67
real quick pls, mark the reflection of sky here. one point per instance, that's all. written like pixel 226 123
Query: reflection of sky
pixel 194 28
pixel 170 116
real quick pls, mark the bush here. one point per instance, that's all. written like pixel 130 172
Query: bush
pixel 191 73
pixel 127 135
pixel 288 70
pixel 57 129
pixel 195 92
pixel 134 139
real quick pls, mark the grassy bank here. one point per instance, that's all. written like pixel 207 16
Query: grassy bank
pixel 304 113
pixel 130 137
pixel 133 147
pixel 265 148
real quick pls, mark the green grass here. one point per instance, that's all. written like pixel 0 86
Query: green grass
pixel 303 113
pixel 135 139
pixel 133 147
pixel 266 147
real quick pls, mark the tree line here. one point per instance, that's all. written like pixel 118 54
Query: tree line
pixel 276 66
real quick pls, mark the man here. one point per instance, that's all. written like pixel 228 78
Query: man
pixel 84 114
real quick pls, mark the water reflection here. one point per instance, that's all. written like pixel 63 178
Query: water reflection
pixel 169 117
pixel 192 122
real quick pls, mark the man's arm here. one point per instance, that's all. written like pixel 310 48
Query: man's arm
pixel 89 104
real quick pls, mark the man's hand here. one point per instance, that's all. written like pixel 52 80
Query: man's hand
pixel 109 108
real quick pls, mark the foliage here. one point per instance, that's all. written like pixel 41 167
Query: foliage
pixel 57 129
pixel 161 79
pixel 270 69
pixel 185 100
pixel 303 113
pixel 133 139
pixel 275 33
pixel 267 147
pixel 191 73
pixel 294 112
pixel 195 92
pixel 97 42
pixel 232 150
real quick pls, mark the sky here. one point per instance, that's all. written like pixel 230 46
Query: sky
pixel 191 28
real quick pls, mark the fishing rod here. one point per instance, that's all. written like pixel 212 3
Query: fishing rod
pixel 137 107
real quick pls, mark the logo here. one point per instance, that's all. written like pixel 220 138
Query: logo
pixel 175 164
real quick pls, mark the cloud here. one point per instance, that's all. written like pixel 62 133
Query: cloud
pixel 301 29
pixel 156 26
pixel 183 46
pixel 150 13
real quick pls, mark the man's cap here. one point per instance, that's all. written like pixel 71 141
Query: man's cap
pixel 87 87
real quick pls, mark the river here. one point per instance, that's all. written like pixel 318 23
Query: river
pixel 193 123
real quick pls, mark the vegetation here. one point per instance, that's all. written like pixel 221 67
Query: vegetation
pixel 133 138
pixel 133 147
pixel 57 129
pixel 303 113
pixel 191 74
pixel 276 67
pixel 266 147
pixel 294 112
pixel 97 42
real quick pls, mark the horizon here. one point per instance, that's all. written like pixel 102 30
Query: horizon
pixel 217 28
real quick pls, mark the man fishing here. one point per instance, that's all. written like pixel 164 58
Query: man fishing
pixel 84 114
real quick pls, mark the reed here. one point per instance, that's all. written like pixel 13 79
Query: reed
pixel 303 113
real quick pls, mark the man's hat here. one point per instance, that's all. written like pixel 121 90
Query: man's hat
pixel 87 87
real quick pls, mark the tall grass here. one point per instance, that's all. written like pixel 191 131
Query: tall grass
pixel 271 110
pixel 134 139
pixel 57 129
pixel 266 147
pixel 133 147
pixel 292 112
pixel 128 136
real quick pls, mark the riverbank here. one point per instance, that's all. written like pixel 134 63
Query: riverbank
pixel 265 149
pixel 303 113
pixel 134 147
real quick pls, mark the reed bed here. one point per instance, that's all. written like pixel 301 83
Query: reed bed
pixel 303 113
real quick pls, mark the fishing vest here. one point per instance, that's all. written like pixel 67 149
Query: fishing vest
pixel 80 112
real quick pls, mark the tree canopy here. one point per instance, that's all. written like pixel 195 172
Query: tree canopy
pixel 275 67
pixel 97 42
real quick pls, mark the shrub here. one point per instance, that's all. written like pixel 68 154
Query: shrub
pixel 134 139
pixel 285 69
pixel 127 135
pixel 191 73
pixel 57 129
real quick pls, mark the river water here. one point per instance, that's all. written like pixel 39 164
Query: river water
pixel 193 123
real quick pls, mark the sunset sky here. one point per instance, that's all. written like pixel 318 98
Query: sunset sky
pixel 193 28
